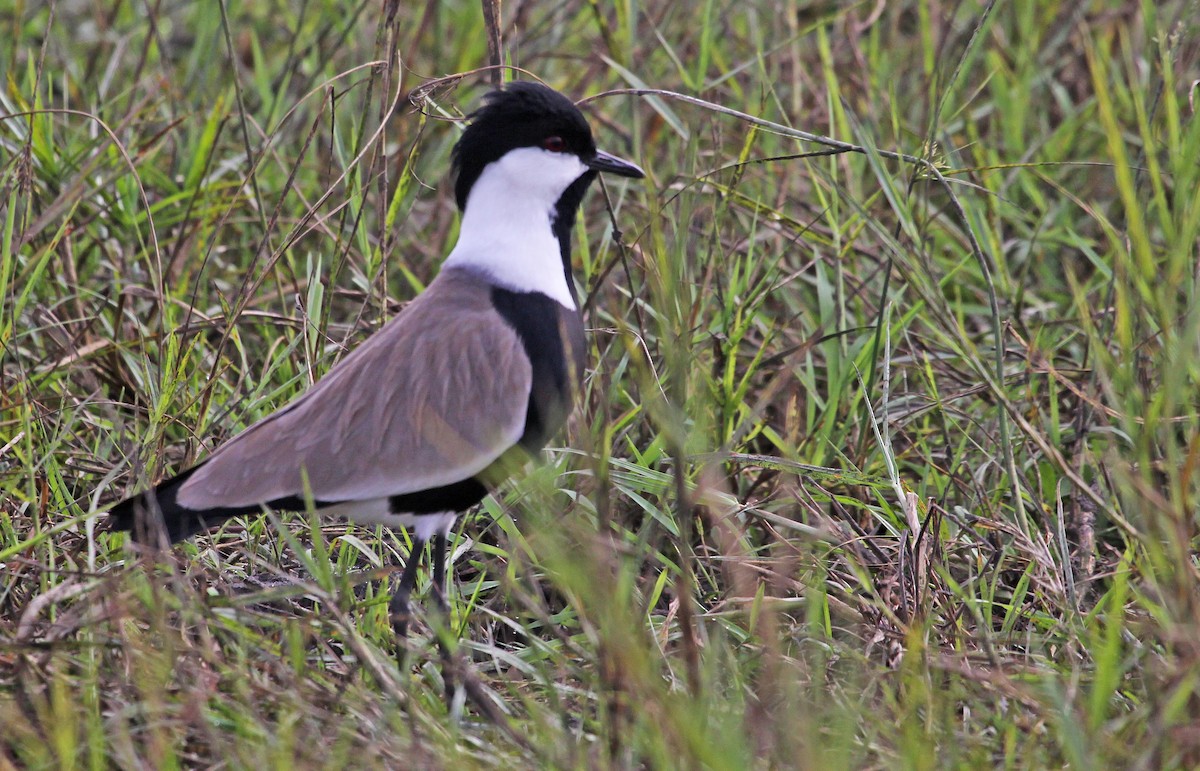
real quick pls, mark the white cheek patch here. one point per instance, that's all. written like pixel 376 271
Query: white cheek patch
pixel 536 173
pixel 505 230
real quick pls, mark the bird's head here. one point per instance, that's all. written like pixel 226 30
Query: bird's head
pixel 535 141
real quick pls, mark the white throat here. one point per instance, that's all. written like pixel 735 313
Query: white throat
pixel 505 232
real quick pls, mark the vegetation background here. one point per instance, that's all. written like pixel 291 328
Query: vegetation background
pixel 889 455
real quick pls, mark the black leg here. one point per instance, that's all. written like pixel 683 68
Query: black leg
pixel 400 609
pixel 439 573
pixel 442 627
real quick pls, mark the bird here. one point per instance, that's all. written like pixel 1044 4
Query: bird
pixel 455 393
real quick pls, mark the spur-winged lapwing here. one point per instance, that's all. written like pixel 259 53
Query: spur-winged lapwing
pixel 463 386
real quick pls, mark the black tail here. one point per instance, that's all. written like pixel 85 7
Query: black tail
pixel 154 514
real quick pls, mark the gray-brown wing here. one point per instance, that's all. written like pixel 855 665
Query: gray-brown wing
pixel 434 397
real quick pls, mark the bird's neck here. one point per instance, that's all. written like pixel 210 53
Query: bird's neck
pixel 563 222
pixel 519 242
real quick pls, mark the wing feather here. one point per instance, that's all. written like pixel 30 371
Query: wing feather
pixel 433 398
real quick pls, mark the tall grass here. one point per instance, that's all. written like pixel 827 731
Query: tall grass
pixel 888 452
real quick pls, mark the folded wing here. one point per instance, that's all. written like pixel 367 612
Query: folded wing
pixel 417 412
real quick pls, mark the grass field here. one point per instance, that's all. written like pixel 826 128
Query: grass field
pixel 889 455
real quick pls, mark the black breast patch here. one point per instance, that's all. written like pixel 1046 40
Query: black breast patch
pixel 553 339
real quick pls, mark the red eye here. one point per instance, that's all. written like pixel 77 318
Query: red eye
pixel 554 144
